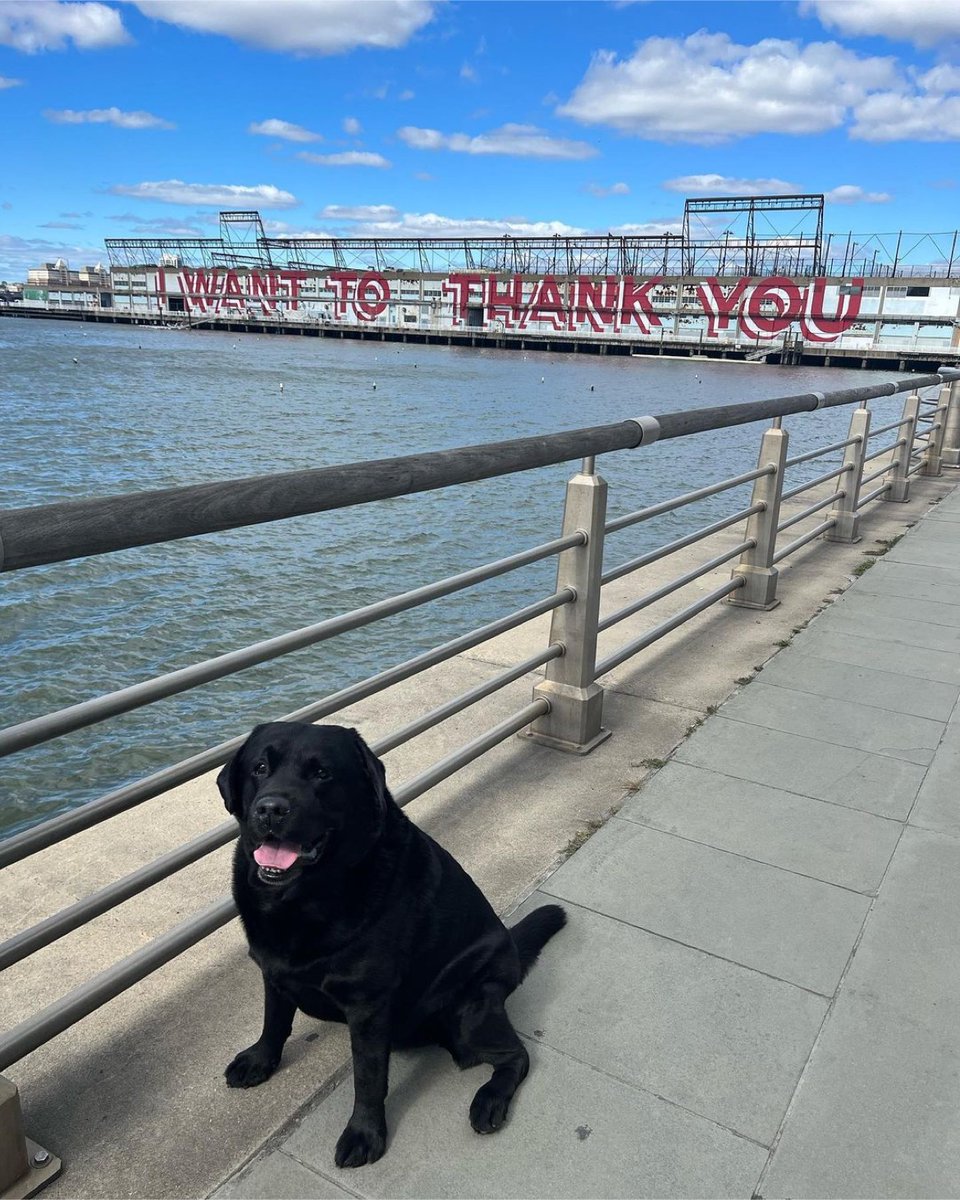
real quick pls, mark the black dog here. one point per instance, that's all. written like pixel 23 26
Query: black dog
pixel 353 914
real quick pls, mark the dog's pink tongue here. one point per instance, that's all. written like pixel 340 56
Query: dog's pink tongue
pixel 281 857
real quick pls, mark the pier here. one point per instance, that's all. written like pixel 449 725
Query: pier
pixel 739 856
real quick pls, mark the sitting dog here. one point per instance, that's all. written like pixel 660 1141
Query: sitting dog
pixel 353 914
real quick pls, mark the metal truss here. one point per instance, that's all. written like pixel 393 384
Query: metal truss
pixel 730 236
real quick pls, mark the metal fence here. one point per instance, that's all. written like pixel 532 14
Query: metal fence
pixel 566 708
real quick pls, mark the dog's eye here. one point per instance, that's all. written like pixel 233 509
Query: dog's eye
pixel 260 769
pixel 321 773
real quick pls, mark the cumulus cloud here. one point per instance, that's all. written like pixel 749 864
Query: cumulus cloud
pixel 849 193
pixel 520 141
pixel 35 25
pixel 346 158
pixel 107 116
pixel 6 82
pixel 396 224
pixel 299 26
pixel 900 116
pixel 615 189
pixel 217 195
pixel 18 255
pixel 725 185
pixel 925 23
pixel 358 212
pixel 285 130
pixel 728 91
pixel 352 126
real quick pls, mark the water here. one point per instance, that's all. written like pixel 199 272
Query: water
pixel 149 408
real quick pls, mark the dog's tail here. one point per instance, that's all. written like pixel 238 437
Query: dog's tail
pixel 532 933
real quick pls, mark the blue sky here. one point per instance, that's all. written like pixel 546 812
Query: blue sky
pixel 397 117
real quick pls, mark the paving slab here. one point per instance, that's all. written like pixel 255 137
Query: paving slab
pixel 847 644
pixel 278 1178
pixel 870 686
pixel 854 778
pixel 876 1114
pixel 841 723
pixel 573 1131
pixel 721 1040
pixel 866 605
pixel 811 837
pixel 786 925
pixel 938 801
pixel 916 581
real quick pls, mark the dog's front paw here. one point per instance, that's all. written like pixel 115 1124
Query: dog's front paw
pixel 489 1109
pixel 360 1144
pixel 251 1067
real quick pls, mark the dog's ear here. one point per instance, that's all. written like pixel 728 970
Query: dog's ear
pixel 230 779
pixel 376 772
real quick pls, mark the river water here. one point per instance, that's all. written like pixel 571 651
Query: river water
pixel 98 410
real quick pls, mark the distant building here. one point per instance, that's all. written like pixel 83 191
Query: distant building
pixel 56 285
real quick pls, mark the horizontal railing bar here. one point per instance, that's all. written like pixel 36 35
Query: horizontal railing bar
pixel 673 585
pixel 28 842
pixel 466 754
pixel 444 711
pixel 656 510
pixel 653 635
pixel 634 564
pixel 807 512
pixel 885 449
pixel 873 495
pixel 886 428
pixel 100 708
pixel 805 487
pixel 79 528
pixel 802 541
pixel 54 1018
pixel 67 919
pixel 876 474
pixel 799 458
pixel 915 468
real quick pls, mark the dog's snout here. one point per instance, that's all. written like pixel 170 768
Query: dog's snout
pixel 271 809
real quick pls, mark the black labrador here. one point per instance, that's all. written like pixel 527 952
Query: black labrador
pixel 353 914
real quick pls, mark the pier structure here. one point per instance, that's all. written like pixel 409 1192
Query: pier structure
pixel 749 809
pixel 753 279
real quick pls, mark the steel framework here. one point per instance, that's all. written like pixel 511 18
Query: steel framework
pixel 723 235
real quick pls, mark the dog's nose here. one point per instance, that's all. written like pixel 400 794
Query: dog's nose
pixel 271 808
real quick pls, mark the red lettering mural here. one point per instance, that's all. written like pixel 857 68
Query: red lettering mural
pixel 758 309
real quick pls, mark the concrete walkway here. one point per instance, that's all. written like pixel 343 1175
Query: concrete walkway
pixel 757 991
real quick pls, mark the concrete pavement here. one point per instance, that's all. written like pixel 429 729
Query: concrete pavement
pixel 757 991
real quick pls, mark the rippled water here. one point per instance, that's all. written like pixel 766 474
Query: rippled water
pixel 149 408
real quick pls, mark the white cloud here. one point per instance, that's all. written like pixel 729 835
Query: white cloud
pixel 358 212
pixel 521 141
pixel 35 25
pixel 708 89
pixel 725 185
pixel 6 82
pixel 615 189
pixel 107 116
pixel 849 193
pixel 60 225
pixel 284 129
pixel 468 73
pixel 18 255
pixel 930 113
pixel 923 22
pixel 217 195
pixel 346 158
pixel 352 126
pixel 395 224
pixel 300 26
pixel 649 228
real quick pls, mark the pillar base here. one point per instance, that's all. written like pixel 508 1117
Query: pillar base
pixel 555 743
pixel 898 492
pixel 759 590
pixel 573 722
pixel 846 529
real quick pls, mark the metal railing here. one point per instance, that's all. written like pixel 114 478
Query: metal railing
pixel 566 708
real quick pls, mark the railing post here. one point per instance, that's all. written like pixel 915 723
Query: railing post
pixel 25 1167
pixel 844 511
pixel 756 565
pixel 899 490
pixel 950 452
pixel 576 700
pixel 933 451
